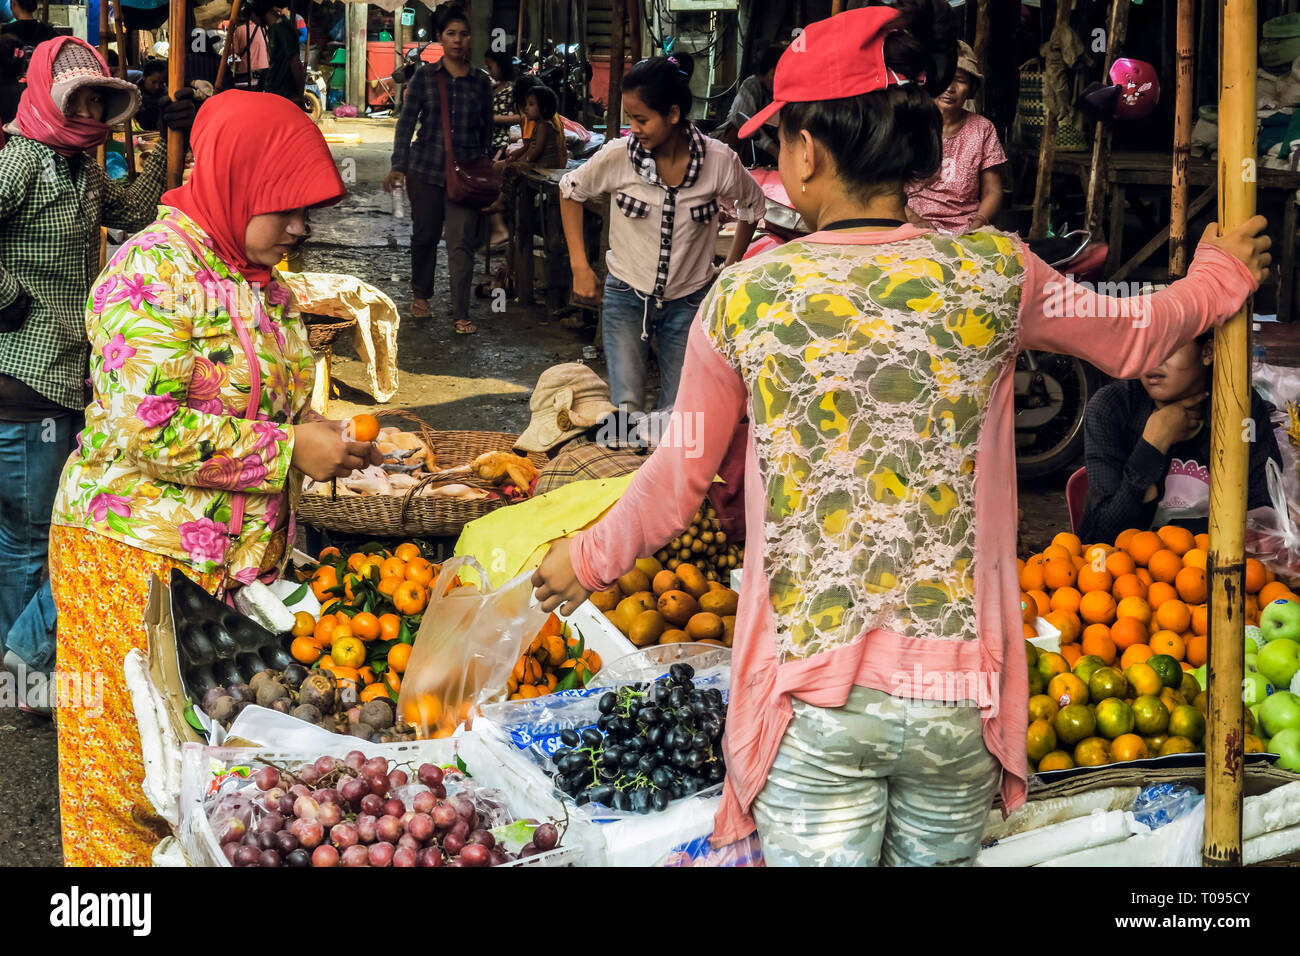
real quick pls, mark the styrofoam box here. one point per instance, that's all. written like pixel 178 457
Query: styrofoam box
pixel 735 579
pixel 1048 639
pixel 599 632
pixel 582 846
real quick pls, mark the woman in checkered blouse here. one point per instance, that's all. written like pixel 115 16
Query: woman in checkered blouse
pixel 666 180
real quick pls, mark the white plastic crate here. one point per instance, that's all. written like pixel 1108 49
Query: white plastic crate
pixel 582 844
pixel 600 633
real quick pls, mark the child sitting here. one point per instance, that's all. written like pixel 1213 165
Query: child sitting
pixel 1147 448
pixel 545 146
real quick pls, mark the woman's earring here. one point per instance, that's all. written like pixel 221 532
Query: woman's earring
pixel 803 187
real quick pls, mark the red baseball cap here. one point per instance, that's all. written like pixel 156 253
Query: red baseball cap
pixel 832 59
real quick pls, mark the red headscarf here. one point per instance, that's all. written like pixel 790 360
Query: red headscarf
pixel 254 153
pixel 40 119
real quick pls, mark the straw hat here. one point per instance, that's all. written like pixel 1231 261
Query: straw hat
pixel 966 60
pixel 568 400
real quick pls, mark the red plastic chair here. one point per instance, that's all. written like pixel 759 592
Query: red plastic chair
pixel 1076 493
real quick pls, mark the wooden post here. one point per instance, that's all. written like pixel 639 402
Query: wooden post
pixel 45 12
pixel 102 152
pixel 176 45
pixel 1098 184
pixel 1046 152
pixel 633 29
pixel 119 29
pixel 1230 452
pixel 837 6
pixel 614 110
pixel 1182 140
pixel 224 65
pixel 358 93
pixel 982 48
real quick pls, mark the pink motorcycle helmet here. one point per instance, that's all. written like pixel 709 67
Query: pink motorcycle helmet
pixel 1139 88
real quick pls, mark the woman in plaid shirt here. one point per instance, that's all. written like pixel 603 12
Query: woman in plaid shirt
pixel 421 166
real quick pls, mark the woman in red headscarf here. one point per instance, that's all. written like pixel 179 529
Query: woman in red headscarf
pixel 199 430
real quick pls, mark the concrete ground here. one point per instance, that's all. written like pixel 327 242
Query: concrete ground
pixel 479 382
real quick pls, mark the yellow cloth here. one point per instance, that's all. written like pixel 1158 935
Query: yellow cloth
pixel 514 539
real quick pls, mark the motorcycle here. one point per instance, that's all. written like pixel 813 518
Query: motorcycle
pixel 1051 391
pixel 565 70
pixel 315 95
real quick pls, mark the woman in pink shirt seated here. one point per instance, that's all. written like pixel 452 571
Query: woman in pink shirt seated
pixel 966 193
pixel 878 684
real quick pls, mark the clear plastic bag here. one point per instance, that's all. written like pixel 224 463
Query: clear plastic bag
pixel 468 643
pixel 1273 534
pixel 1163 803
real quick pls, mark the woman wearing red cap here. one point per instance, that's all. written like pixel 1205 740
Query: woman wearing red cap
pixel 878 692
pixel 196 434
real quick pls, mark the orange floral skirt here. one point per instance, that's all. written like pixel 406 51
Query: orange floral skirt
pixel 100 588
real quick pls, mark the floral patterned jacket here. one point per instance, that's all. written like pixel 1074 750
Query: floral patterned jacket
pixel 171 460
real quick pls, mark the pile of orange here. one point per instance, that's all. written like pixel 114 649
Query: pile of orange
pixel 552 662
pixel 370 613
pixel 1143 596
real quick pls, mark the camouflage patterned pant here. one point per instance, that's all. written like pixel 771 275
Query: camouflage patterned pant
pixel 908 775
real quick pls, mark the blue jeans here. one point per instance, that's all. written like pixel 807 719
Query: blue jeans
pixel 32 456
pixel 627 323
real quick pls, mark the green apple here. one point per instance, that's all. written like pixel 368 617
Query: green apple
pixel 1280 659
pixel 1281 711
pixel 1255 688
pixel 1281 619
pixel 1252 662
pixel 1251 646
pixel 1201 677
pixel 1286 744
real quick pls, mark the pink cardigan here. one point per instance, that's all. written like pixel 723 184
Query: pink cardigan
pixel 671 484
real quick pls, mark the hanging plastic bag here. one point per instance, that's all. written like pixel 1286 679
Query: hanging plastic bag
pixel 468 643
pixel 1272 534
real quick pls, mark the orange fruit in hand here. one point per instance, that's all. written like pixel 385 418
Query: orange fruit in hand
pixel 1127 631
pixel 398 656
pixel 1097 640
pixel 1097 607
pixel 390 625
pixel 1065 599
pixel 1159 592
pixel 365 626
pixel 305 650
pixel 406 551
pixel 1190 585
pixel 1164 565
pixel 1173 616
pixel 1143 545
pixel 364 428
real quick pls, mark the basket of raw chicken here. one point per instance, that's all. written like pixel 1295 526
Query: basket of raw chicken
pixel 430 483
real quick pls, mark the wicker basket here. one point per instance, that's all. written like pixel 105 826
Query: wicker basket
pixel 394 516
pixel 322 330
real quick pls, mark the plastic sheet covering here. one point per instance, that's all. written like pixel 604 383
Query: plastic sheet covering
pixel 1041 813
pixel 375 335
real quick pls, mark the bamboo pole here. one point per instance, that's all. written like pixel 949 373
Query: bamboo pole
pixel 634 29
pixel 614 110
pixel 1047 152
pixel 102 153
pixel 229 45
pixel 837 6
pixel 175 81
pixel 982 48
pixel 119 29
pixel 519 30
pixel 1182 139
pixel 1230 452
pixel 1098 184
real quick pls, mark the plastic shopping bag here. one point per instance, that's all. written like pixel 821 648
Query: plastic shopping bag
pixel 1273 534
pixel 468 643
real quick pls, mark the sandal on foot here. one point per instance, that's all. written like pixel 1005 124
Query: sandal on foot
pixel 465 327
pixel 420 308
